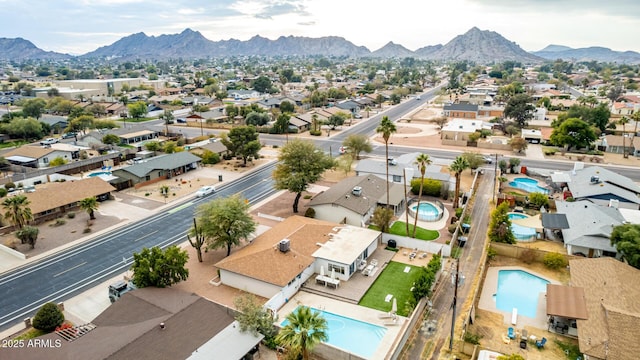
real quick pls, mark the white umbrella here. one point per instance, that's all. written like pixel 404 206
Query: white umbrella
pixel 333 273
pixel 394 306
pixel 322 270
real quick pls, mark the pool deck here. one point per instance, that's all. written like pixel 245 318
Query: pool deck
pixel 351 311
pixel 490 288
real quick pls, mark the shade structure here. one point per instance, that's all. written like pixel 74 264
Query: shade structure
pixel 531 221
pixel 394 305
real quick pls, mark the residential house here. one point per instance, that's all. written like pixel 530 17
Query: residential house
pixel 158 168
pixel 56 123
pixel 280 260
pixel 490 111
pixel 150 323
pixel 243 94
pixel 353 200
pixel 624 108
pixel 617 144
pixel 136 138
pixel 533 136
pixel 53 199
pixel 590 227
pixel 38 156
pixel 611 289
pixel 600 186
pixel 349 106
pixel 460 129
pixel 270 103
pixel 214 145
pixel 463 111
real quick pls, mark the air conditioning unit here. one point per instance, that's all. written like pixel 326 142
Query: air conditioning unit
pixel 284 245
pixel 357 190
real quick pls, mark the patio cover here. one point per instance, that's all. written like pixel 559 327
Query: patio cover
pixel 566 301
pixel 22 159
pixel 531 221
pixel 555 221
pixel 560 177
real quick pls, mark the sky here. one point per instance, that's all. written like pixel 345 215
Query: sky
pixel 80 26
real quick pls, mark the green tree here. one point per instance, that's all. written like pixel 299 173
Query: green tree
pixel 475 160
pixel 422 161
pixel 386 128
pixel 626 239
pixel 168 118
pixel 538 200
pixel 28 235
pixel 520 109
pixel 225 222
pixel 256 118
pixel 48 317
pixel 624 121
pixel 281 125
pixel 253 317
pixel 305 329
pixel 458 165
pixel 90 205
pixel 81 123
pixel 138 109
pixel 573 132
pixel 153 146
pixel 500 225
pixel 111 139
pixel 335 120
pixel 242 141
pixel 170 147
pixel 17 210
pixel 33 107
pixel 209 157
pixel 262 84
pixel 382 218
pixel 287 107
pixel 300 163
pixel 155 267
pixel 518 144
pixel 357 143
pixel 513 163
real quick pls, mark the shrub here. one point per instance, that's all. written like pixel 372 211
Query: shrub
pixel 538 200
pixel 315 132
pixel 307 197
pixel 48 317
pixel 528 256
pixel 60 222
pixel 491 253
pixel 459 212
pixel 9 186
pixel 71 215
pixel 554 261
pixel 430 187
pixel 86 230
pixel 472 338
pixel 3 192
pixel 310 213
pixel 452 228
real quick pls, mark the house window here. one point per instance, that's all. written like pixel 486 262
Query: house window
pixel 609 253
pixel 338 268
pixel 45 160
pixel 397 178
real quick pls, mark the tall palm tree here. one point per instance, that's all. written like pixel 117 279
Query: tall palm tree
pixel 386 128
pixel 304 331
pixel 90 205
pixel 17 210
pixel 624 121
pixel 423 161
pixel 458 165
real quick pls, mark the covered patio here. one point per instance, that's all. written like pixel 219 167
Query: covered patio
pixel 565 304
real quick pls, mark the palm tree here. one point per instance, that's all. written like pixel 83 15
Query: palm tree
pixel 17 210
pixel 458 165
pixel 386 128
pixel 423 161
pixel 89 205
pixel 304 331
pixel 624 121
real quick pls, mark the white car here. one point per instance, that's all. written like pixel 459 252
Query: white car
pixel 205 190
pixel 49 141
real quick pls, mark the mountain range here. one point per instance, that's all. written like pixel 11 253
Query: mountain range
pixel 480 46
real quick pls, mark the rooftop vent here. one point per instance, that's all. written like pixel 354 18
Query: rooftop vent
pixel 595 179
pixel 357 190
pixel 284 245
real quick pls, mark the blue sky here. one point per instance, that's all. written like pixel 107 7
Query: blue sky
pixel 80 26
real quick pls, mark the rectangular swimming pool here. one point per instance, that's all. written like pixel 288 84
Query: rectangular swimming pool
pixel 355 336
pixel 519 289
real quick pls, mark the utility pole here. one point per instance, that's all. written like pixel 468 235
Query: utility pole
pixel 453 305
pixel 406 204
pixel 495 178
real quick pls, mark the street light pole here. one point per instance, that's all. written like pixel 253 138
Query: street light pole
pixel 453 305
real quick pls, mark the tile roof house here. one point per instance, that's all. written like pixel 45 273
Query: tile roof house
pixel 158 168
pixel 590 228
pixel 353 200
pixel 194 328
pixel 280 260
pixel 611 290
pixel 601 186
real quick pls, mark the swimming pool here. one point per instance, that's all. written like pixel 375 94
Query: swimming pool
pixel 519 231
pixel 98 173
pixel 354 336
pixel 427 211
pixel 519 289
pixel 528 185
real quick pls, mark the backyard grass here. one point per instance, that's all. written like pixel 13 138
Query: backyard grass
pixel 393 280
pixel 400 228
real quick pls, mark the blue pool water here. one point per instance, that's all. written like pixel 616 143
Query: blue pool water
pixel 427 211
pixel 98 173
pixel 354 336
pixel 528 185
pixel 519 231
pixel 519 289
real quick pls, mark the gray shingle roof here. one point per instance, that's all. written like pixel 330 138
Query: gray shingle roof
pixel 611 185
pixel 373 190
pixel 588 219
pixel 460 107
pixel 554 221
pixel 162 162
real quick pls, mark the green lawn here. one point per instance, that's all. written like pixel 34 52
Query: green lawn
pixel 393 280
pixel 400 228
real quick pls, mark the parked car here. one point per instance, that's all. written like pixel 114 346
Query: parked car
pixel 181 120
pixel 487 159
pixel 49 141
pixel 69 135
pixel 205 190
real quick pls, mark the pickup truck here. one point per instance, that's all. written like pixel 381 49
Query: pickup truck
pixel 49 141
